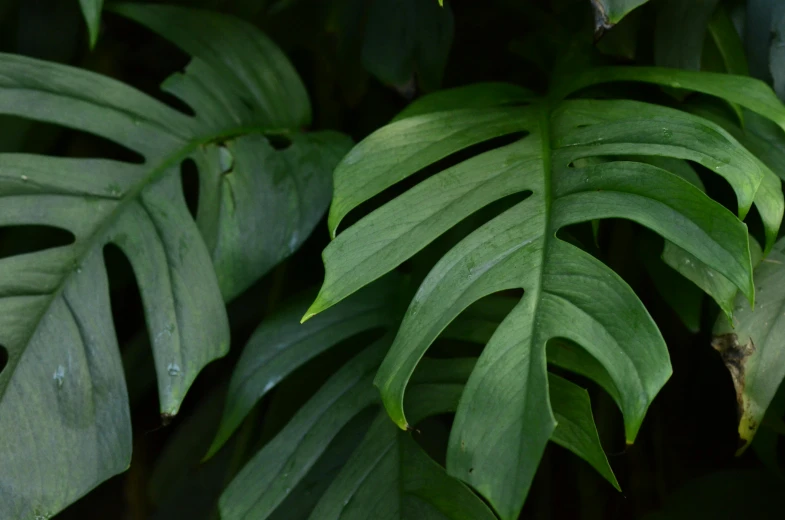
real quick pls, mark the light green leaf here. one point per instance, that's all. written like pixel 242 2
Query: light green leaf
pixel 752 346
pixel 608 13
pixel 505 418
pixel 744 91
pixel 63 404
pixel 281 344
pixel 575 429
pixel 91 10
pixel 728 42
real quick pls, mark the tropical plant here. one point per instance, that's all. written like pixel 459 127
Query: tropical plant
pixel 546 205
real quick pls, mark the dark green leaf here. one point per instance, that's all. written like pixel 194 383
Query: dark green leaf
pixel 63 404
pixel 404 38
pixel 680 31
pixel 281 344
pixel 390 477
pixel 271 474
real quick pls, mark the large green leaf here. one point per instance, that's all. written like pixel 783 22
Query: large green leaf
pixel 505 418
pixel 63 407
pixel 753 347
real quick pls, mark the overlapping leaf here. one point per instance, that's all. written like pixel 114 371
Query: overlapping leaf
pixel 505 419
pixel 281 344
pixel 388 475
pixel 64 413
pixel 753 346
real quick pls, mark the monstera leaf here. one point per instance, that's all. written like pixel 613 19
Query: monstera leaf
pixel 505 419
pixel 388 475
pixel 64 413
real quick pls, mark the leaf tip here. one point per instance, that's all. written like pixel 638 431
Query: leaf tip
pixel 214 447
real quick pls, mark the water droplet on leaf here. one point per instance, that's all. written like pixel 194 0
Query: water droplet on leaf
pixel 59 376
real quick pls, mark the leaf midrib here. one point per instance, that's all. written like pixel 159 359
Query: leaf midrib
pixel 545 136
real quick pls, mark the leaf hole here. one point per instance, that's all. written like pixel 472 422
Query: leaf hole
pixel 473 328
pixel 74 143
pixel 26 239
pixel 413 180
pixel 189 176
pixel 423 261
pixel 3 358
pixel 279 141
pixel 124 295
pixel 149 62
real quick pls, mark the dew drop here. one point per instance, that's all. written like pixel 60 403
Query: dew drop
pixel 666 133
pixel 59 376
pixel 173 369
pixel 25 178
pixel 293 241
pixel 225 159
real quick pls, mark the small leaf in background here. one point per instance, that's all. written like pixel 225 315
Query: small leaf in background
pixel 408 42
pixel 608 13
pixel 680 31
pixel 91 9
pixel 764 35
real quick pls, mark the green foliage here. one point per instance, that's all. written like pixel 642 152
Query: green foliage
pixel 548 206
pixel 505 419
pixel 63 382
